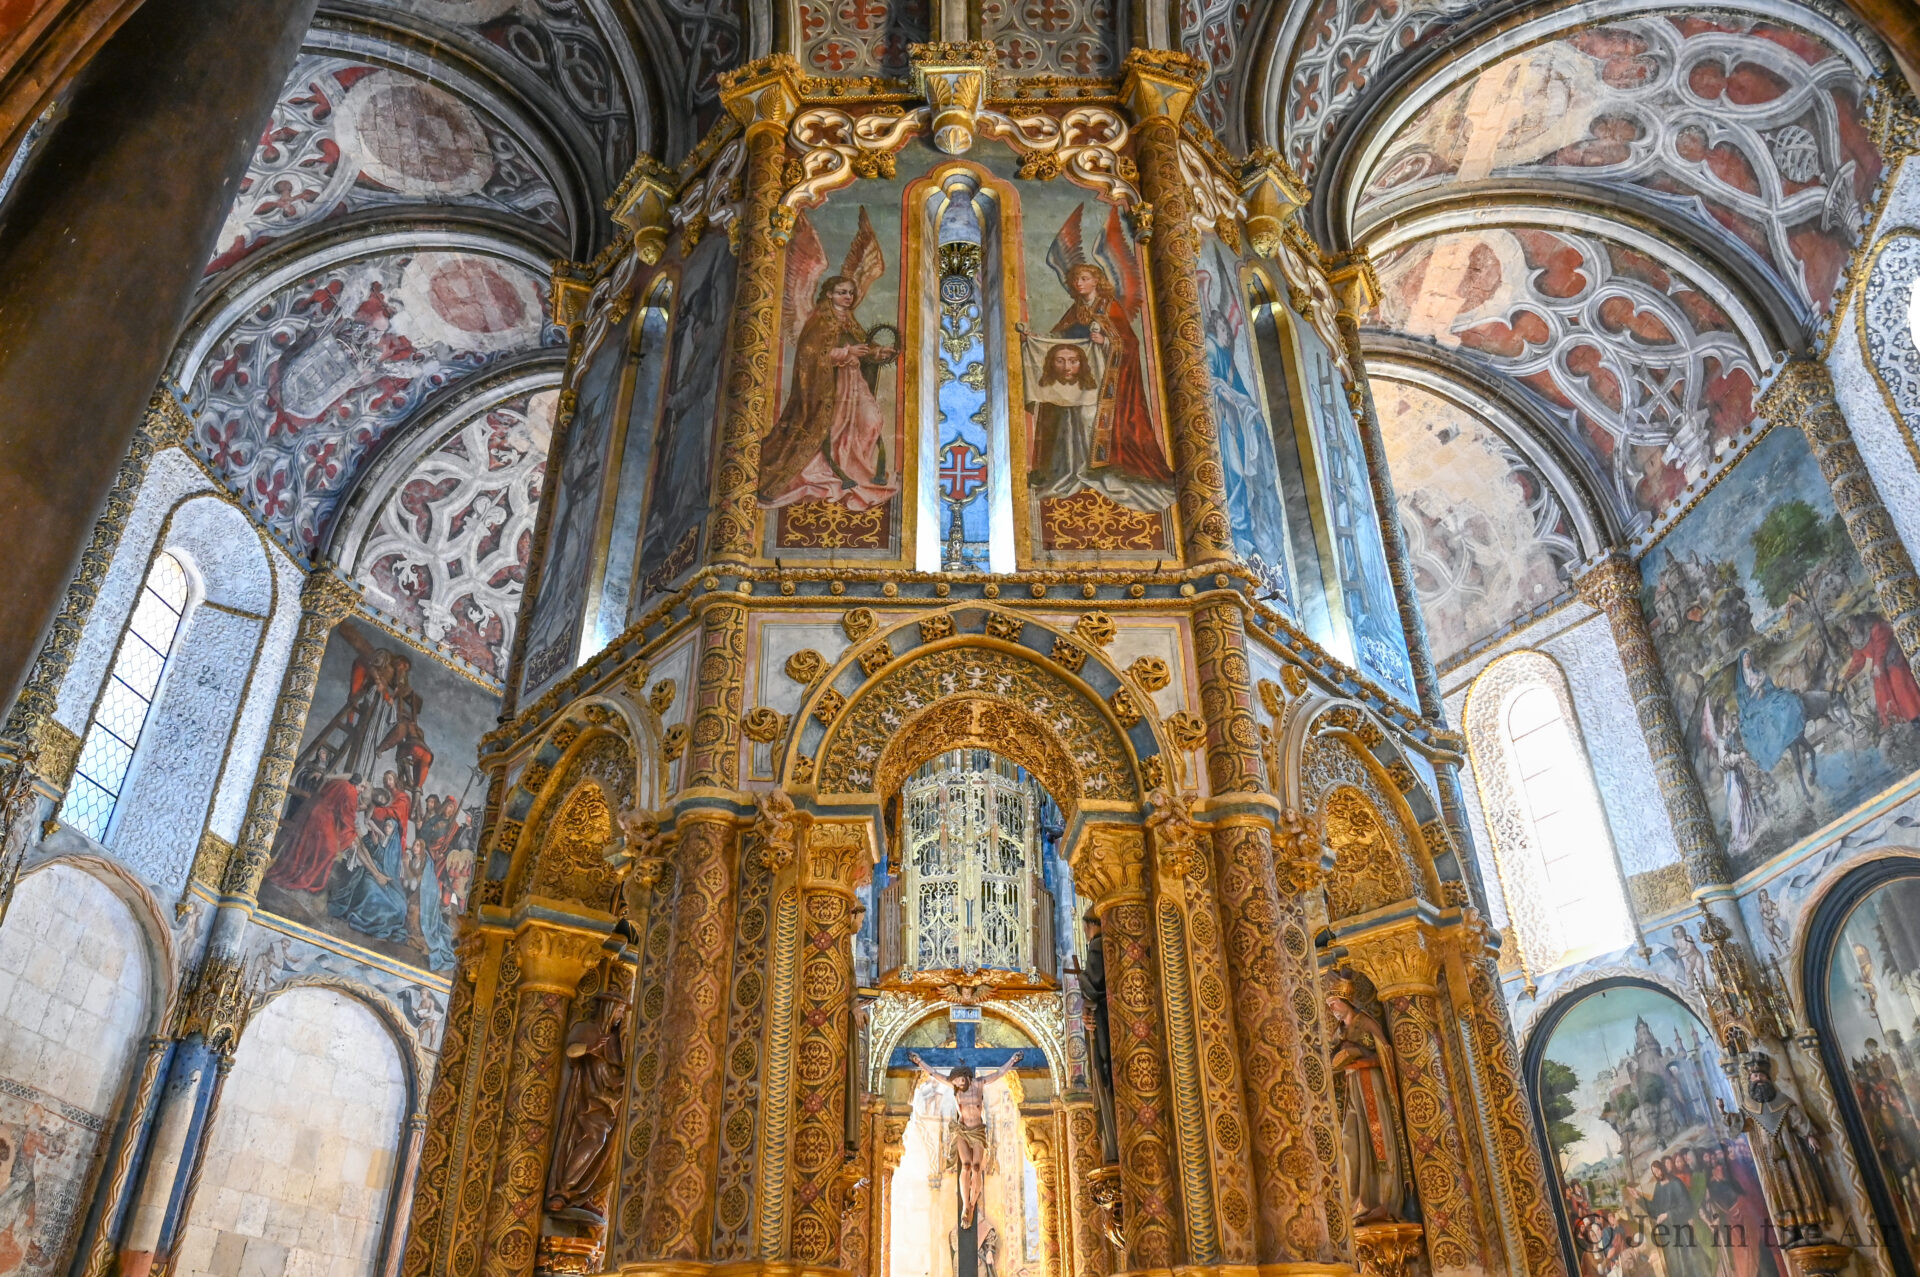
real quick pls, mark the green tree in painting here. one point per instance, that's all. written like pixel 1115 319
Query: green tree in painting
pixel 1790 543
pixel 1557 1083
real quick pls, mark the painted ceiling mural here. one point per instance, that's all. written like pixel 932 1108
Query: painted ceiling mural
pixel 448 553
pixel 865 37
pixel 294 394
pixel 1753 128
pixel 1342 47
pixel 560 45
pixel 711 36
pixel 1651 374
pixel 347 136
pixel 1060 37
pixel 1488 538
pixel 1211 31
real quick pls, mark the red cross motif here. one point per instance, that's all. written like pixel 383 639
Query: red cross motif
pixel 963 472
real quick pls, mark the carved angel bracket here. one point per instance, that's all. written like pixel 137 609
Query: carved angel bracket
pixel 1084 144
pixel 1217 205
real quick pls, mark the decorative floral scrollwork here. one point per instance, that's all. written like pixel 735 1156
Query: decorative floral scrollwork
pixel 836 148
pixel 1084 144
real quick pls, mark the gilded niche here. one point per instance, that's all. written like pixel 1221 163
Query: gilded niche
pixel 1084 741
pixel 1369 869
pixel 570 853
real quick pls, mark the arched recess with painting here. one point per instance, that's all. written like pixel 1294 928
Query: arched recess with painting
pixel 1627 1087
pixel 1860 960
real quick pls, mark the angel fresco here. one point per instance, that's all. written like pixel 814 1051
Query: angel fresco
pixel 1092 424
pixel 830 442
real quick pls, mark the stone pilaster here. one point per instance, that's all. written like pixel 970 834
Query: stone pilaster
pixel 1158 90
pixel 1109 867
pixel 1300 1209
pixel 713 757
pixel 1092 1257
pixel 551 959
pixel 1802 395
pixel 1614 588
pixel 763 96
pixel 1042 1134
pixel 686 1147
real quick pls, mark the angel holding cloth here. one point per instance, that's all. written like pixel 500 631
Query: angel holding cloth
pixel 1092 425
pixel 830 441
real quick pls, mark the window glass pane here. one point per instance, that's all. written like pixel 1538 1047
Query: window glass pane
pixel 106 752
pixel 169 580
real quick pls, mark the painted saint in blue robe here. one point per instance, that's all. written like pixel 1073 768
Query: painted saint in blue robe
pixel 1771 718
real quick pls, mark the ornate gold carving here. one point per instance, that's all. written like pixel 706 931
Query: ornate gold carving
pixel 661 697
pixel 1387 1250
pixel 1109 864
pixel 552 959
pixel 210 860
pixel 714 758
pixel 983 698
pixel 570 856
pixel 1095 628
pixel 57 753
pixel 775 830
pixel 837 147
pixel 1151 673
pixel 764 725
pixel 857 623
pixel 1069 654
pixel 220 999
pixel 673 742
pixel 1273 193
pixel 806 665
pixel 1003 627
pixel 1125 708
pixel 954 80
pixel 935 627
pixel 1398 771
pixel 643 203
pixel 1084 143
pixel 828 706
pixel 1186 731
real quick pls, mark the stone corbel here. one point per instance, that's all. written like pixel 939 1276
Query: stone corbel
pixel 572 286
pixel 644 205
pixel 955 79
pixel 1273 193
pixel 1355 284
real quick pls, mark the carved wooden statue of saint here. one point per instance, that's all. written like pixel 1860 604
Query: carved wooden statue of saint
pixel 1787 1149
pixel 589 1109
pixel 1370 1107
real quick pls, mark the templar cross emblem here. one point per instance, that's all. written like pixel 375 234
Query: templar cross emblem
pixel 963 472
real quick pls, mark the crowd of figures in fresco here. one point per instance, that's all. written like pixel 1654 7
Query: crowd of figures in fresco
pixel 1656 1179
pixel 1795 697
pixel 378 841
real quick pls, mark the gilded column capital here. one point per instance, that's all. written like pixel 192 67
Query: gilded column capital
pixel 1160 83
pixel 1273 192
pixel 1399 957
pixel 1356 285
pixel 327 596
pixel 838 857
pixel 1609 585
pixel 643 203
pixel 764 92
pixel 955 79
pixel 553 958
pixel 1110 865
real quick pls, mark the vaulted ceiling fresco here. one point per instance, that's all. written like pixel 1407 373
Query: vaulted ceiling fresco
pixel 372 366
pixel 1621 224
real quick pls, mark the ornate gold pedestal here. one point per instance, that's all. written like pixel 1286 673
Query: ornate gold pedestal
pixel 1820 1259
pixel 1387 1250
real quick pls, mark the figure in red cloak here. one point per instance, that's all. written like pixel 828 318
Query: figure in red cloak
pixel 1896 697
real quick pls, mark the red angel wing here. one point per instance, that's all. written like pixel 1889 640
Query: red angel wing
pixel 864 263
pixel 806 262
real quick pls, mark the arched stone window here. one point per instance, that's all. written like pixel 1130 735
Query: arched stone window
pixel 120 715
pixel 1556 861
